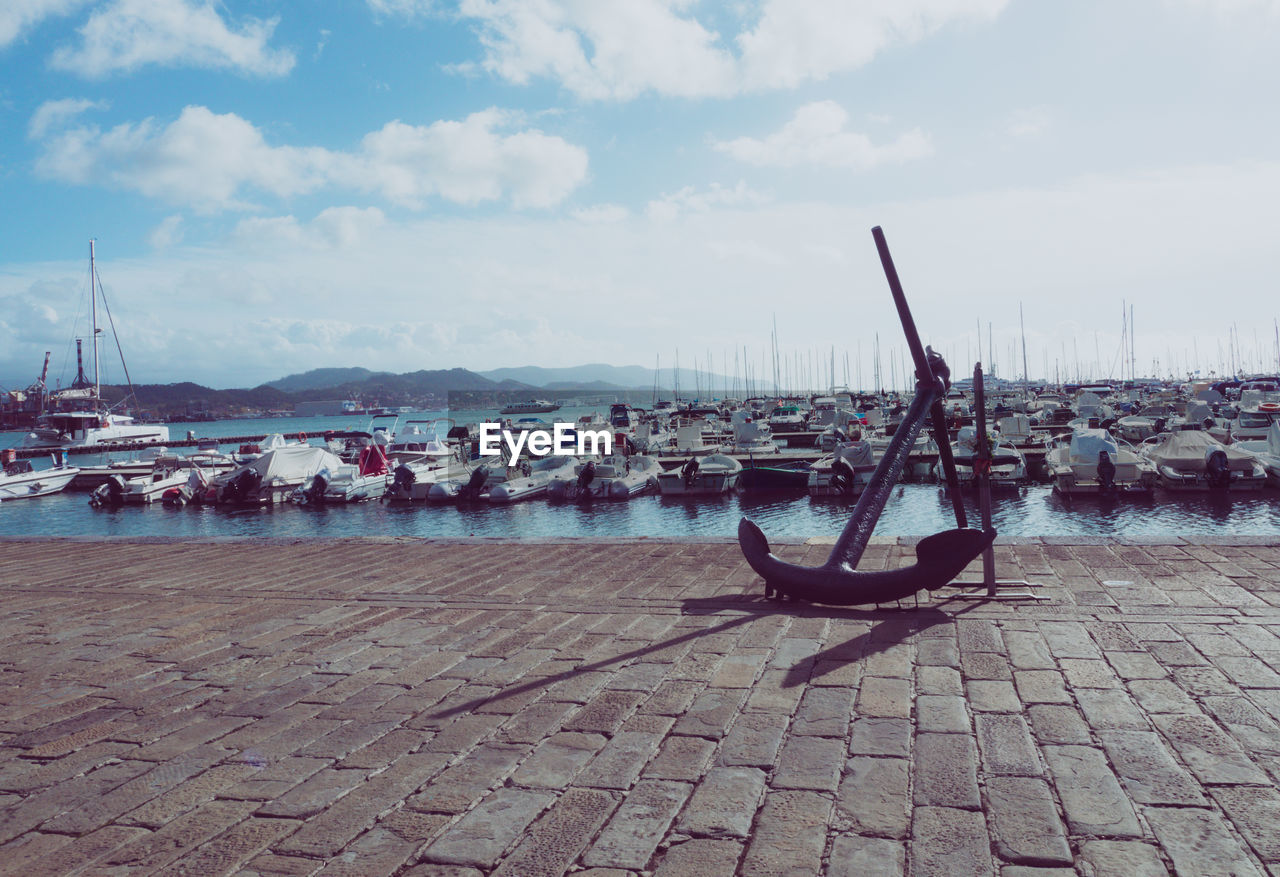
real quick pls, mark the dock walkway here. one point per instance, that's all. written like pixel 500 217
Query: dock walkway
pixel 392 706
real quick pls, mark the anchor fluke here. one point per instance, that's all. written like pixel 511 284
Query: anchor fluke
pixel 940 558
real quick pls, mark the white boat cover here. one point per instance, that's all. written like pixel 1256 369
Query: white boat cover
pixel 1188 449
pixel 1087 443
pixel 292 464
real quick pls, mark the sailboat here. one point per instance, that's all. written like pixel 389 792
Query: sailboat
pixel 84 420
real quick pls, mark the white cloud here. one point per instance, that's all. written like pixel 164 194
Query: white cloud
pixel 167 234
pixel 620 50
pixel 55 114
pixel 210 161
pixel 817 136
pixel 128 34
pixel 602 213
pixel 19 16
pixel 334 228
pixel 692 200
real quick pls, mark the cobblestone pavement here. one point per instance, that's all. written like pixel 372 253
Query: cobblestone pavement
pixel 381 707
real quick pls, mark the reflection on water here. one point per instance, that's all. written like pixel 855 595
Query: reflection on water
pixel 912 510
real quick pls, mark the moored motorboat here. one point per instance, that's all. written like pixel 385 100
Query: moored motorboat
pixel 711 475
pixel 1093 462
pixel 846 471
pixel 1008 466
pixel 616 477
pixel 271 477
pixel 1191 459
pixel 21 480
pixel 535 479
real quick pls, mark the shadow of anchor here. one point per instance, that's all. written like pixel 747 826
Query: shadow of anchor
pixel 940 557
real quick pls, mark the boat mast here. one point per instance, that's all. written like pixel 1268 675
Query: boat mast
pixel 93 308
pixel 1025 376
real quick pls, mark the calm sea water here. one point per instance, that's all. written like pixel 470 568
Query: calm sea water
pixel 913 510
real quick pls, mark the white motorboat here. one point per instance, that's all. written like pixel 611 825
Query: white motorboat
pixel 690 440
pixel 473 483
pixel 1147 422
pixel 786 418
pixel 271 477
pixel 653 437
pixel 711 475
pixel 531 406
pixel 86 429
pixel 21 480
pixel 1253 422
pixel 752 435
pixel 615 477
pixel 365 479
pixel 1008 465
pixel 535 479
pixel 846 471
pixel 1093 462
pixel 412 482
pixel 1191 459
pixel 1267 452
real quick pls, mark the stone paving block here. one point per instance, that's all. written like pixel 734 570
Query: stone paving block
pixel 1161 696
pixel 1198 842
pixel 724 804
pixel 1203 681
pixel 619 763
pixel 873 795
pixel 605 712
pixel 639 677
pixel 738 670
pixel 1041 686
pixel 638 826
pixel 824 712
pixel 377 851
pixel 1147 769
pixel 682 758
pixel 1026 826
pixel 753 741
pixel 809 763
pixel 1054 723
pixel 1007 748
pixel 880 737
pixel 701 858
pixel 790 834
pixel 83 855
pixel 839 673
pixel 1135 665
pixel 1111 709
pixel 992 696
pixel 232 848
pixel 483 834
pixel 1210 754
pixel 551 845
pixel 1128 857
pixel 946 771
pixel 1251 672
pixel 711 713
pixel 947 842
pixel 775 693
pixel 1091 796
pixel 883 697
pixel 985 665
pixel 938 652
pixel 943 715
pixel 558 759
pixel 857 856
pixel 1255 812
pixel 670 699
pixel 941 681
pixel 314 795
pixel 454 790
pixel 271 779
pixel 979 636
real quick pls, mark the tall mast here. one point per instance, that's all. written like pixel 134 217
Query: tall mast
pixel 1025 376
pixel 93 307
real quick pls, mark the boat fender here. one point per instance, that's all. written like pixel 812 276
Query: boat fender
pixel 302 437
pixel 1106 471
pixel 1217 469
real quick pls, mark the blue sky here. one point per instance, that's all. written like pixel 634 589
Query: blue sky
pixel 407 184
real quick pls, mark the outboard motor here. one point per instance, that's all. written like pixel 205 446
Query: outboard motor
pixel 1217 469
pixel 243 487
pixel 842 476
pixel 474 484
pixel 689 471
pixel 1106 471
pixel 315 491
pixel 109 494
pixel 402 481
pixel 586 476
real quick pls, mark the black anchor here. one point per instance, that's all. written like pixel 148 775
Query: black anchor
pixel 940 557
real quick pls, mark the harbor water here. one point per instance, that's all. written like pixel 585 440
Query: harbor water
pixel 913 509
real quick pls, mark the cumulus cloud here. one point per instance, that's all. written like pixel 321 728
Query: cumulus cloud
pixel 818 135
pixel 601 213
pixel 19 16
pixel 620 50
pixel 167 233
pixel 693 200
pixel 210 161
pixel 401 8
pixel 57 113
pixel 125 35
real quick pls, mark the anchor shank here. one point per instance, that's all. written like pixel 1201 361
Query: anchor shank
pixel 948 460
pixel 857 532
pixel 923 371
